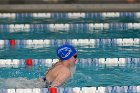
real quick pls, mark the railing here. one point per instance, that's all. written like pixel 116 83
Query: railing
pixel 71 15
pixel 76 42
pixel 109 89
pixel 99 62
pixel 89 27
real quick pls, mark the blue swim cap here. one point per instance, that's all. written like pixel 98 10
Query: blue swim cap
pixel 65 52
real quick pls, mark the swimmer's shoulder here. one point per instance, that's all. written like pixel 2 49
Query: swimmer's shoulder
pixel 61 67
pixel 58 63
pixel 64 70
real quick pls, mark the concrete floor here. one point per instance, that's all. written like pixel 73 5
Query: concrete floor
pixel 68 5
pixel 66 1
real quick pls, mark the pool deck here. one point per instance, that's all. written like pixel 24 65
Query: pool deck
pixel 69 7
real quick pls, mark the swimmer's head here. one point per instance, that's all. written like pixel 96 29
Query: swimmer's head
pixel 65 52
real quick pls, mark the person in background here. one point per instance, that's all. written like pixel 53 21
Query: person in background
pixel 61 70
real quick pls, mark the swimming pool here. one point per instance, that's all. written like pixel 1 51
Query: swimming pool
pixel 108 47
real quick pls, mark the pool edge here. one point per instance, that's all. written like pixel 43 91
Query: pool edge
pixel 69 7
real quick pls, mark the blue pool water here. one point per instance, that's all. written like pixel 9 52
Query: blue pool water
pixel 86 74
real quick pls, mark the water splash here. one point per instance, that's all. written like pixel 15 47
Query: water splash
pixel 21 83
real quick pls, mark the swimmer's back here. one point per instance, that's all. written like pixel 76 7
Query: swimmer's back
pixel 55 71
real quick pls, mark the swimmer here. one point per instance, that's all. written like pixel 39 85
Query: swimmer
pixel 61 70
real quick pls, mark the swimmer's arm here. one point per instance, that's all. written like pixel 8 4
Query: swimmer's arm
pixel 62 77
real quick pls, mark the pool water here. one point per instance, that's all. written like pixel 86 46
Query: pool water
pixel 91 52
pixel 86 74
